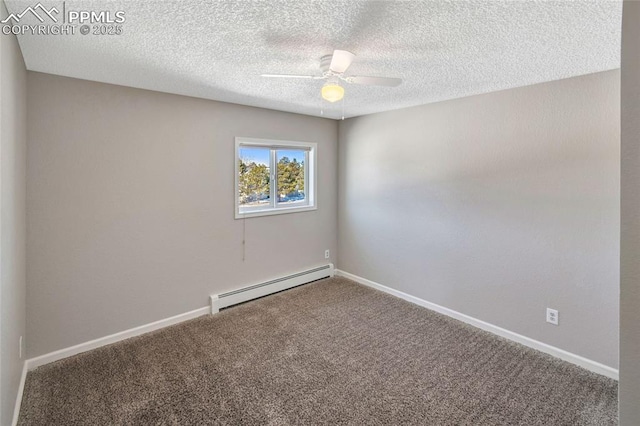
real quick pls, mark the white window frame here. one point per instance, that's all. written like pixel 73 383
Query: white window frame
pixel 274 207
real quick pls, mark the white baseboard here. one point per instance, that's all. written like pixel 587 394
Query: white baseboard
pixel 586 363
pixel 16 409
pixel 113 338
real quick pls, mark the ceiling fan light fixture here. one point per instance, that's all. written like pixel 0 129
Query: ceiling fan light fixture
pixel 332 92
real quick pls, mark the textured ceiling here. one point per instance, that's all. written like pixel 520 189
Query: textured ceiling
pixel 441 49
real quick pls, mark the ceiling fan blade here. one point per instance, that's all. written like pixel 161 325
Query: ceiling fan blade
pixel 291 76
pixel 341 60
pixel 375 81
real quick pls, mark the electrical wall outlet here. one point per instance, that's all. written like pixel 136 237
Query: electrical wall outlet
pixel 327 254
pixel 552 316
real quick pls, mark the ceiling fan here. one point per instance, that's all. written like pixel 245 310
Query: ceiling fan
pixel 333 68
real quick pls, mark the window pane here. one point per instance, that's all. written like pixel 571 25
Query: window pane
pixel 253 177
pixel 291 175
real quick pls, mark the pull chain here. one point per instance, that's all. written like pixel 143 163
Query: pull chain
pixel 244 236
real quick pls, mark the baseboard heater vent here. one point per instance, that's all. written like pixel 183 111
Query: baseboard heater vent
pixel 224 300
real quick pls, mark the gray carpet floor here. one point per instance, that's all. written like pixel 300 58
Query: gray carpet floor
pixel 329 352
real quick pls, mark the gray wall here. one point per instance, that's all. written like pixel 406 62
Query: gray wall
pixel 130 207
pixel 13 115
pixel 496 206
pixel 630 225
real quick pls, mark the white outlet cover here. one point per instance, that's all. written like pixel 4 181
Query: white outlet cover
pixel 552 316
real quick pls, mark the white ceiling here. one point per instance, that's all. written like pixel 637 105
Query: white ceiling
pixel 442 49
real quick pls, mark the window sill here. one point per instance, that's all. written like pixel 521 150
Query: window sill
pixel 270 212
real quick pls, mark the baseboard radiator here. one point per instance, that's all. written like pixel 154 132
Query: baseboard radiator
pixel 230 298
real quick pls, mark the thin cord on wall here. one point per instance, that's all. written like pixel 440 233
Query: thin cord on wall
pixel 244 237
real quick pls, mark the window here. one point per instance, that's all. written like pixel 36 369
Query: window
pixel 274 177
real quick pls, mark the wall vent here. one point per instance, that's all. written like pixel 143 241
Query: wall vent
pixel 230 298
